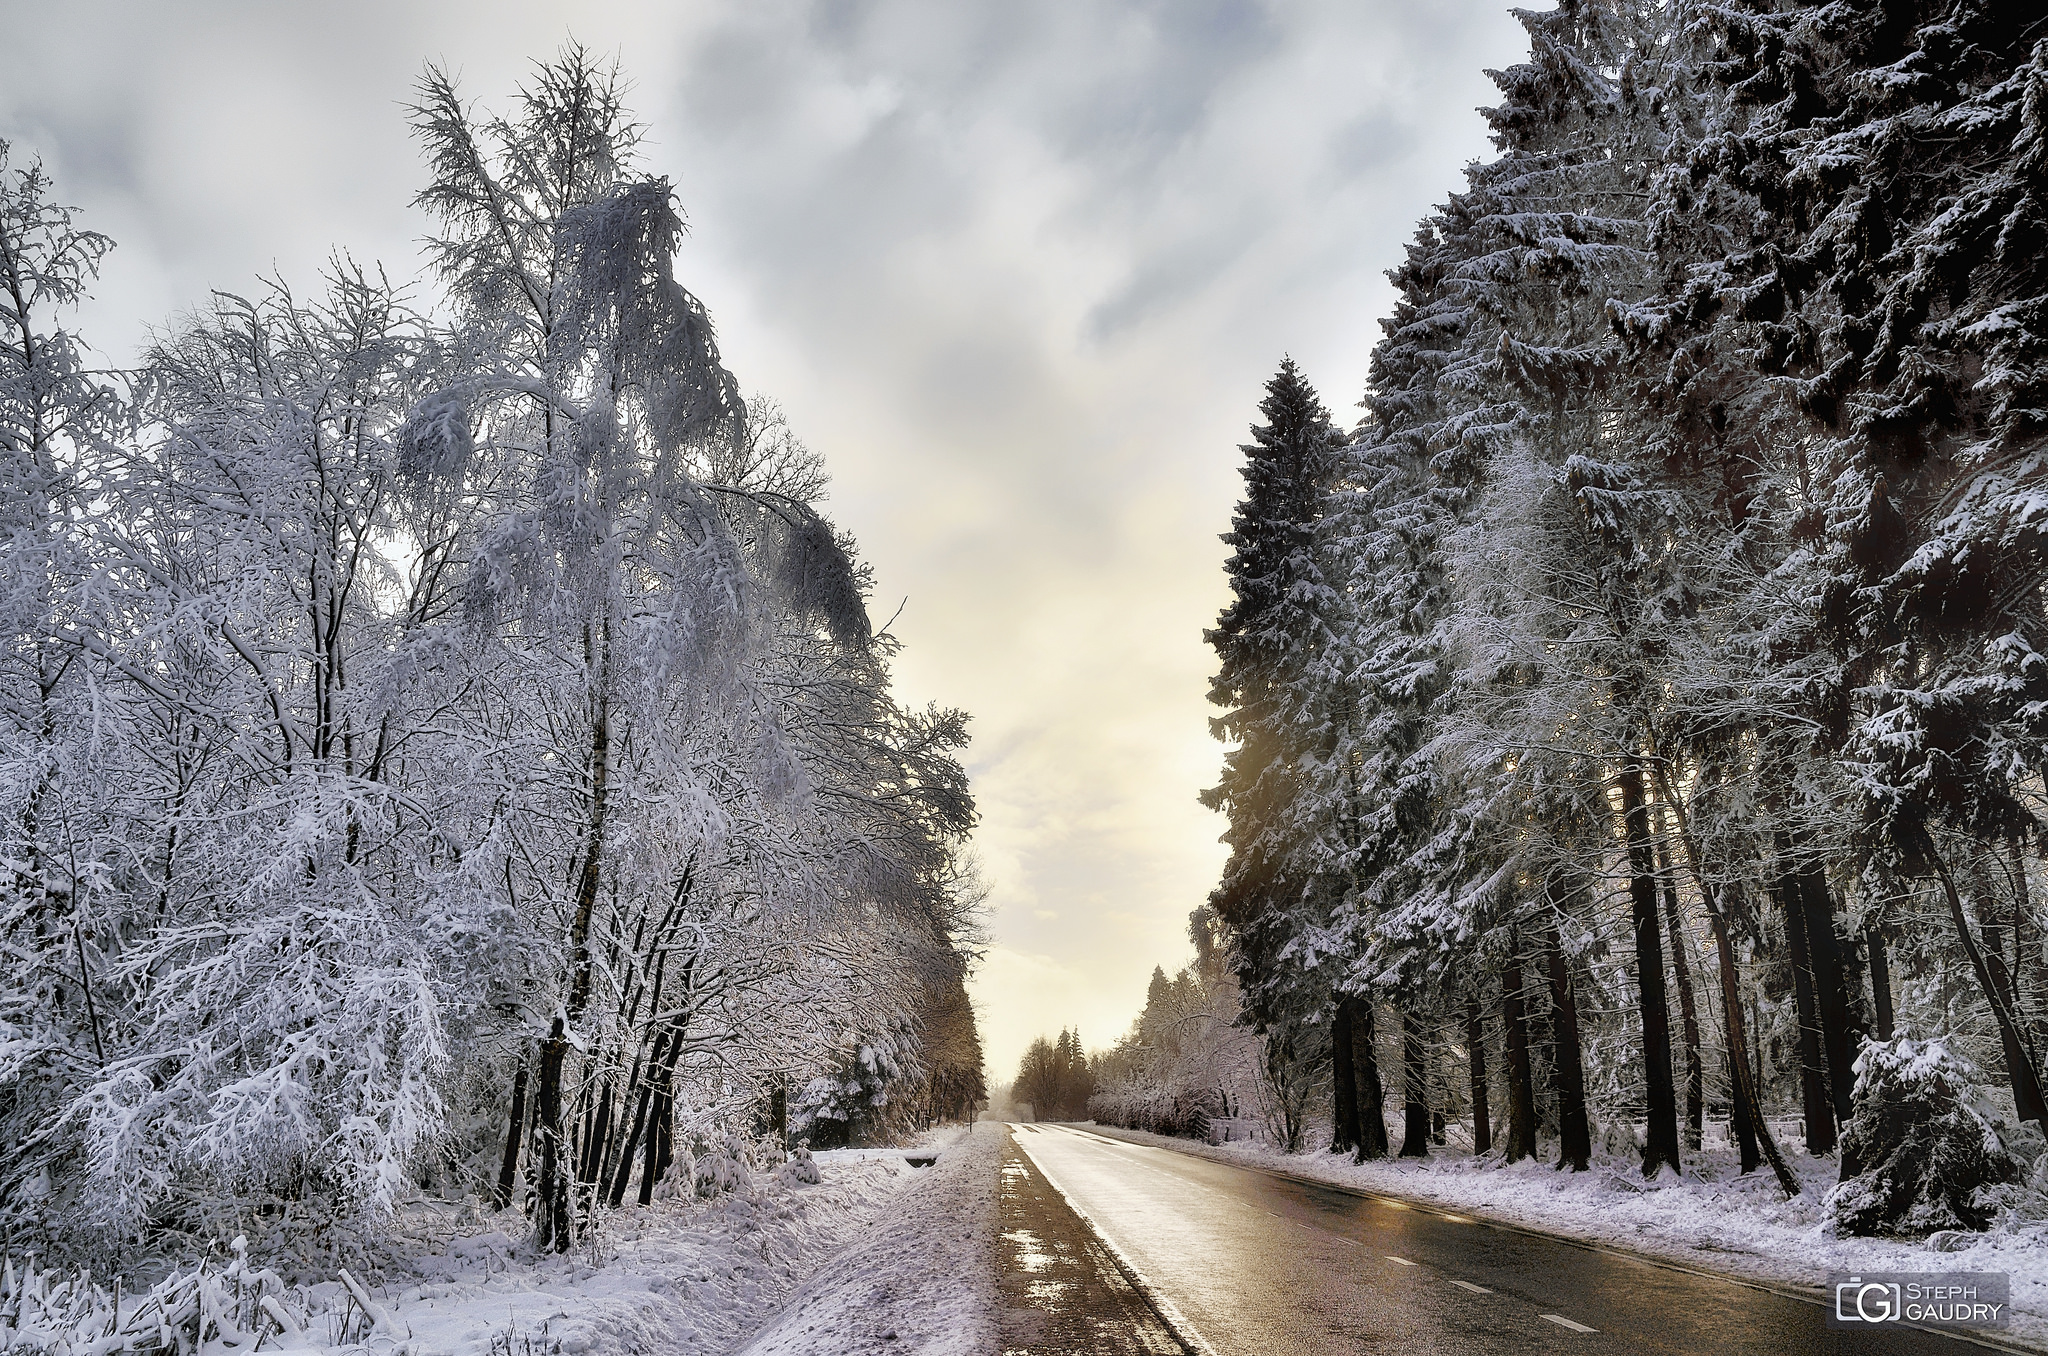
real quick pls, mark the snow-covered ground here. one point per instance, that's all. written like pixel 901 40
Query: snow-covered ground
pixel 680 1277
pixel 1713 1219
pixel 921 1281
pixel 875 1251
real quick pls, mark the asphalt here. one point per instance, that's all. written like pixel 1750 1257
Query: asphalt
pixel 1062 1291
pixel 1248 1262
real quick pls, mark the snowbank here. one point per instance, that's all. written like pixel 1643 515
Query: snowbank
pixel 922 1281
pixel 683 1277
pixel 1710 1220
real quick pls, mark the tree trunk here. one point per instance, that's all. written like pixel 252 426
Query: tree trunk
pixel 1688 1010
pixel 1372 1096
pixel 508 1167
pixel 1415 1086
pixel 551 1220
pixel 622 1173
pixel 1819 1108
pixel 1839 1029
pixel 598 1138
pixel 2027 1098
pixel 1746 1090
pixel 1343 1082
pixel 660 1127
pixel 1749 1105
pixel 1475 1045
pixel 554 1221
pixel 1575 1131
pixel 1660 1139
pixel 1521 1087
pixel 2022 913
pixel 1880 981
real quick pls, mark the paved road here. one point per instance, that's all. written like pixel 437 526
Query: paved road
pixel 1260 1265
pixel 1062 1292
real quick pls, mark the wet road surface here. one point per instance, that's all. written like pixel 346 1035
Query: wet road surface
pixel 1255 1263
pixel 1062 1293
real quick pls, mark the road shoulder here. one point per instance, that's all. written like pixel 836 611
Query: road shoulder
pixel 921 1280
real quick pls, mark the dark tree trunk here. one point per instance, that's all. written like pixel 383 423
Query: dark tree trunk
pixel 1839 1029
pixel 551 1220
pixel 2022 911
pixel 1660 1139
pixel 1880 981
pixel 1343 1082
pixel 1521 1087
pixel 622 1169
pixel 1415 1086
pixel 659 1128
pixel 1688 1008
pixel 1574 1129
pixel 1475 1045
pixel 2027 1098
pixel 508 1167
pixel 595 1143
pixel 661 1102
pixel 1814 1099
pixel 1739 1118
pixel 1749 1106
pixel 554 1221
pixel 1372 1096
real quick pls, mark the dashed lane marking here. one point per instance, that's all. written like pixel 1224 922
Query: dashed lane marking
pixel 1467 1285
pixel 1402 1260
pixel 1561 1321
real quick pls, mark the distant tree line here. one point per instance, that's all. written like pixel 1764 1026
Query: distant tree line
pixel 1054 1079
pixel 1641 716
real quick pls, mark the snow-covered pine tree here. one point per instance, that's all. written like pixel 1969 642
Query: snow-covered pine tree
pixel 1874 208
pixel 1267 642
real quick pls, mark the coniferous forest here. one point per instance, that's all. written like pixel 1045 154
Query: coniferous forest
pixel 1637 722
pixel 443 746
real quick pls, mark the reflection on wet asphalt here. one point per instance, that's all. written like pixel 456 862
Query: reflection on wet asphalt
pixel 1260 1264
pixel 1061 1293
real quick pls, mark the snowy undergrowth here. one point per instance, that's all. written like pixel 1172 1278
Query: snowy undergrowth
pixel 680 1277
pixel 922 1281
pixel 1713 1218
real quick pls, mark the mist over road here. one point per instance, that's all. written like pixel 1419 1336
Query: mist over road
pixel 1257 1263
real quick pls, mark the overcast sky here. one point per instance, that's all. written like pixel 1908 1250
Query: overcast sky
pixel 1017 269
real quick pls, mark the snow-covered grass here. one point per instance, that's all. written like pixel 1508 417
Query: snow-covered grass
pixel 1711 1219
pixel 922 1280
pixel 680 1277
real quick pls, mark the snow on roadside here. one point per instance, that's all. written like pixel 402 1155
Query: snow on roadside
pixel 922 1281
pixel 681 1277
pixel 1711 1220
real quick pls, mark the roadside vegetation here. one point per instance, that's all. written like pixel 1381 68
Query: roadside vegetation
pixel 1636 722
pixel 446 763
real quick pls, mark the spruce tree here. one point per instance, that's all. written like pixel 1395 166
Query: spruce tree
pixel 1267 640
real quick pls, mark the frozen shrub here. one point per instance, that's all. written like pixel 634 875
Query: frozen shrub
pixel 720 1168
pixel 1180 1108
pixel 801 1167
pixel 1918 1154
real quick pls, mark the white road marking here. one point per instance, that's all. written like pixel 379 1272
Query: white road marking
pixel 1561 1321
pixel 1467 1285
pixel 1402 1260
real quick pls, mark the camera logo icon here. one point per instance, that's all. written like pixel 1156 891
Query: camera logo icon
pixel 1861 1301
